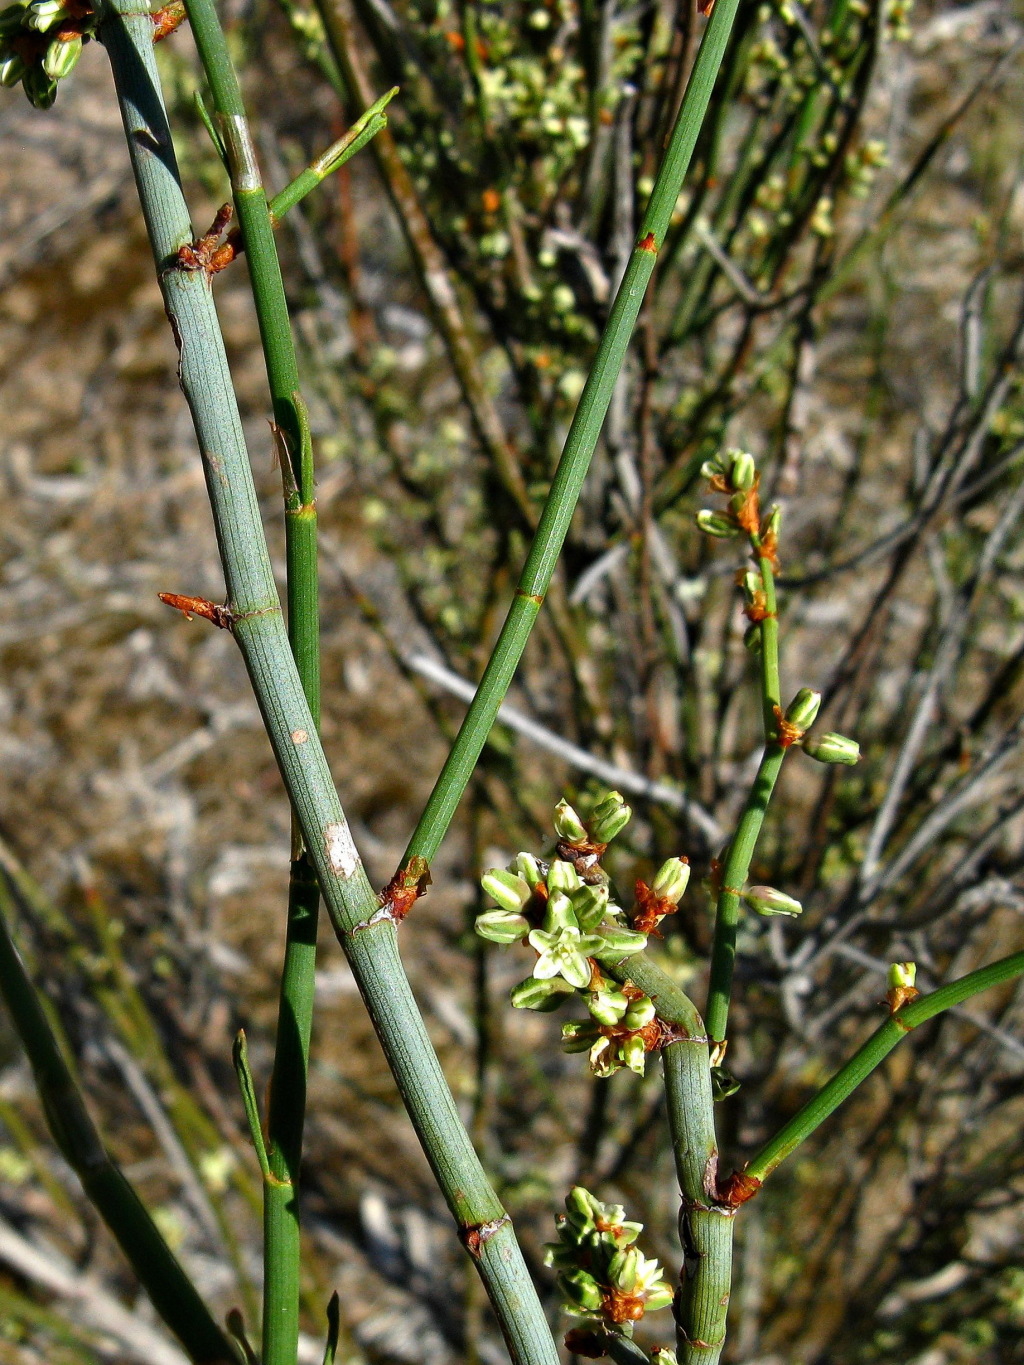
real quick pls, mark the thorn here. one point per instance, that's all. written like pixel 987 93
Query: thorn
pixel 208 253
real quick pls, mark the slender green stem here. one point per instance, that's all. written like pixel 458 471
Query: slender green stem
pixel 173 1295
pixel 878 1047
pixel 287 1107
pixel 258 628
pixel 367 126
pixel 580 444
pixel 741 850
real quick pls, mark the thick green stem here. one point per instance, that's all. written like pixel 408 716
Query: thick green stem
pixel 287 1108
pixel 579 447
pixel 173 1295
pixel 875 1050
pixel 372 949
pixel 705 1225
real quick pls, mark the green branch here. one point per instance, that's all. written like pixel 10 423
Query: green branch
pixel 580 444
pixel 874 1051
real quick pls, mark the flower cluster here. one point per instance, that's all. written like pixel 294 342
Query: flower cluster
pixel 564 911
pixel 41 42
pixel 601 1272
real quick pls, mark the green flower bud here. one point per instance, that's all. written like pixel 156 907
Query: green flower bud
pixel 559 913
pixel 752 583
pixel 609 818
pixel 590 904
pixel 580 1037
pixel 502 926
pixel 662 1355
pixel 671 880
pixel 711 469
pixel 660 1298
pixel 610 942
pixel 12 68
pixel 568 825
pixel 832 748
pixel 62 57
pixel 633 1055
pixel 607 1006
pixel 622 1269
pixel 767 901
pixel 603 1061
pixel 584 1208
pixel 901 975
pixel 742 471
pixel 511 892
pixel 563 877
pixel 752 637
pixel 41 15
pixel 542 996
pixel 41 91
pixel 528 867
pixel 723 1084
pixel 774 524
pixel 803 708
pixel 581 1290
pixel 639 1014
pixel 717 524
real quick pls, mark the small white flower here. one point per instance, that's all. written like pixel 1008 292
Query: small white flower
pixel 560 955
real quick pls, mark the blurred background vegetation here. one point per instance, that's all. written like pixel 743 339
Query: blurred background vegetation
pixel 841 293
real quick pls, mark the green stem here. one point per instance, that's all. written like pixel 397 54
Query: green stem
pixel 287 1106
pixel 580 444
pixel 371 948
pixel 878 1047
pixel 367 126
pixel 173 1295
pixel 741 849
pixel 705 1226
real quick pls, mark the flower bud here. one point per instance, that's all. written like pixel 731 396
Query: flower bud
pixel 62 57
pixel 803 708
pixel 657 1298
pixel 639 1013
pixel 502 926
pixel 723 1084
pixel 742 471
pixel 610 942
pixel 753 638
pixel 543 996
pixel 581 1290
pixel 528 867
pixel 670 880
pixel 607 1006
pixel 663 1355
pixel 12 68
pixel 767 901
pixel 773 523
pixel 832 748
pixel 901 975
pixel 41 15
pixel 562 877
pixel 603 1061
pixel 559 914
pixel 41 91
pixel 590 904
pixel 753 583
pixel 608 818
pixel 717 524
pixel 581 1204
pixel 712 469
pixel 622 1269
pixel 568 824
pixel 508 890
pixel 580 1037
pixel 633 1054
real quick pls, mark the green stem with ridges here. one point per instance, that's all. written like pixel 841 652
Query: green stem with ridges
pixel 258 628
pixel 874 1051
pixel 741 849
pixel 287 1104
pixel 172 1293
pixel 580 444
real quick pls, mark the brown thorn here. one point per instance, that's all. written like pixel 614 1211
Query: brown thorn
pixel 474 1235
pixel 208 253
pixel 648 244
pixel 222 617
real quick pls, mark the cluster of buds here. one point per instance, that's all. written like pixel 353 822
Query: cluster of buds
pixel 735 475
pixel 601 1272
pixel 563 910
pixel 41 42
pixel 863 165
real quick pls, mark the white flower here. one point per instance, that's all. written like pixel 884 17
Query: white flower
pixel 560 954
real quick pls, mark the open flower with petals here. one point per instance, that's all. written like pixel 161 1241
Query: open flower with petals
pixel 561 954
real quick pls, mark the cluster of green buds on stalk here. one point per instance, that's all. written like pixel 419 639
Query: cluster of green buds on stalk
pixel 41 42
pixel 601 1272
pixel 563 910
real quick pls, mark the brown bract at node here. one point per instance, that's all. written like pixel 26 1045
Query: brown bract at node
pixel 474 1237
pixel 618 1306
pixel 404 889
pixel 899 996
pixel 585 857
pixel 222 617
pixel 208 253
pixel 167 19
pixel 650 908
pixel 748 518
pixel 705 6
pixel 785 732
pixel 648 243
pixel 738 1189
pixel 769 547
